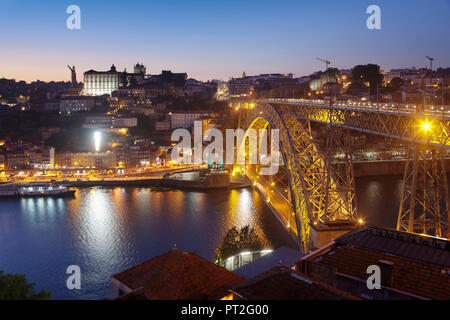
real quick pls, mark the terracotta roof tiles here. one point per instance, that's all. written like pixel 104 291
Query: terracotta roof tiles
pixel 282 283
pixel 421 264
pixel 180 275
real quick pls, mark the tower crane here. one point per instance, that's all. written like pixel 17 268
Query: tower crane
pixel 431 62
pixel 327 63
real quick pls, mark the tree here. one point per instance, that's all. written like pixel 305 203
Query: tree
pixel 229 245
pixel 369 73
pixel 249 240
pixel 237 241
pixel 396 83
pixel 16 287
pixel 133 81
pixel 123 79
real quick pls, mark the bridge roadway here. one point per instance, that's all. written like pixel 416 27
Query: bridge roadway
pixel 396 108
pixel 275 199
pixel 430 126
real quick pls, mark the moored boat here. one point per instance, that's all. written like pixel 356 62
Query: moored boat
pixel 36 189
pixel 9 192
pixel 45 190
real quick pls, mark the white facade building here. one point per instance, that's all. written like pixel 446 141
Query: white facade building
pixel 125 122
pixel 75 104
pixel 185 119
pixel 97 83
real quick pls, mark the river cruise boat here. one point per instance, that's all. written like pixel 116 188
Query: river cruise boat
pixel 7 191
pixel 36 189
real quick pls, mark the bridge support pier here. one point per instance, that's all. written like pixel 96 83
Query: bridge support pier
pixel 322 234
pixel 425 204
pixel 339 175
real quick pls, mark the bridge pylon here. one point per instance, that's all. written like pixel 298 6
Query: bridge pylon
pixel 339 213
pixel 425 204
pixel 339 175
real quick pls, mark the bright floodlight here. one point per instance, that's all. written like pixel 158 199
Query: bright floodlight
pixel 426 126
pixel 97 140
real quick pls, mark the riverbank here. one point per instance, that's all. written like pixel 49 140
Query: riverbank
pixel 209 181
pixel 158 183
pixel 156 179
pixel 383 168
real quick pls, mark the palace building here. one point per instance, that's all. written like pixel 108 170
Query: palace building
pixel 97 83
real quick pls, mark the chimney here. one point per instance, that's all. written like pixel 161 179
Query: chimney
pixel 317 271
pixel 386 269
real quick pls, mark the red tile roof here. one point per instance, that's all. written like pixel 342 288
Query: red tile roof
pixel 420 263
pixel 179 275
pixel 412 276
pixel 283 283
pixel 409 245
pixel 138 294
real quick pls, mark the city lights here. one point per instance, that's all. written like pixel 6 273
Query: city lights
pixel 426 126
pixel 174 176
pixel 97 140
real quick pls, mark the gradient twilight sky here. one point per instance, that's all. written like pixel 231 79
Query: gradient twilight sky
pixel 218 39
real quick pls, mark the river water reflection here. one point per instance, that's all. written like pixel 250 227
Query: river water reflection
pixel 106 230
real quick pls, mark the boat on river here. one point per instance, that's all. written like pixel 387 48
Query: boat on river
pixel 35 189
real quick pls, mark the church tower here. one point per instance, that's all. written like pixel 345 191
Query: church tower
pixel 139 68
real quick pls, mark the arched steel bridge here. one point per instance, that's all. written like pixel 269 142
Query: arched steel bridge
pixel 314 196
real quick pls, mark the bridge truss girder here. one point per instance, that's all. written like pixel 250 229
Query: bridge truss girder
pixel 340 171
pixel 322 178
pixel 418 128
pixel 425 199
pixel 424 206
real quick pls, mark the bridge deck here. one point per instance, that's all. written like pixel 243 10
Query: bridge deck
pixel 407 110
pixel 430 126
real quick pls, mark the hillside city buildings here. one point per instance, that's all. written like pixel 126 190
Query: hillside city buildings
pixel 136 111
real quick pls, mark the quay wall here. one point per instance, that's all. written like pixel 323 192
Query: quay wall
pixel 383 168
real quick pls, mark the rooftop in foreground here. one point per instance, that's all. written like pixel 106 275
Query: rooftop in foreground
pixel 176 275
pixel 283 283
pixel 412 266
pixel 284 255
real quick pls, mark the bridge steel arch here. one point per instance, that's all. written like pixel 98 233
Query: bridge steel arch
pixel 315 195
pixel 425 201
pixel 406 126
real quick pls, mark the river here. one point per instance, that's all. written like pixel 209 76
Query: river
pixel 107 230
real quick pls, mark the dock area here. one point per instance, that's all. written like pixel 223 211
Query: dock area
pixel 184 179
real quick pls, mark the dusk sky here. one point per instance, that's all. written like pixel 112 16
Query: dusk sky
pixel 218 39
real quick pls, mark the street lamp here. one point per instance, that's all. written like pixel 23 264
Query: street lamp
pixel 97 140
pixel 426 126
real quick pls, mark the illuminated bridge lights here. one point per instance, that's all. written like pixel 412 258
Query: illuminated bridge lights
pixel 426 126
pixel 427 129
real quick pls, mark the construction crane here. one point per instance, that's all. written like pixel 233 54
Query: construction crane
pixel 431 62
pixel 327 63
